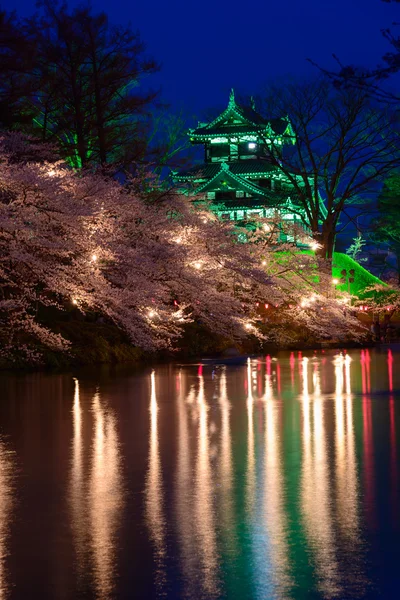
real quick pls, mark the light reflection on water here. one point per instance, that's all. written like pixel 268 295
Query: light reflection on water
pixel 95 495
pixel 316 506
pixel 78 490
pixel 6 501
pixel 276 479
pixel 154 490
pixel 205 535
pixel 274 495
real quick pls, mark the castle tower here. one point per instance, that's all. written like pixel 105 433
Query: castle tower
pixel 240 174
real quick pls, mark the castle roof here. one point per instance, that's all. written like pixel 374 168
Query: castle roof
pixel 223 177
pixel 250 167
pixel 237 120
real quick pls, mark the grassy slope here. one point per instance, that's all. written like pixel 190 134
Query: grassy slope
pixel 362 279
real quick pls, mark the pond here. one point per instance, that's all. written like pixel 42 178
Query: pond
pixel 277 478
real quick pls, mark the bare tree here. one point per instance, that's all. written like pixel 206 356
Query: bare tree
pixel 84 85
pixel 370 80
pixel 343 146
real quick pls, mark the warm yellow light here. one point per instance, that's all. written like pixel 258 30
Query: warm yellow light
pixel 314 246
pixel 51 173
pixel 248 326
pixel 267 227
pixel 151 313
pixel 335 281
pixel 264 262
pixel 74 301
pixel 94 257
pixel 197 265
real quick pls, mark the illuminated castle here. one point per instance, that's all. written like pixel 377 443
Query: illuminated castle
pixel 240 175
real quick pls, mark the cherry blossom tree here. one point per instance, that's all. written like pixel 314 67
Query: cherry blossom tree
pixel 147 260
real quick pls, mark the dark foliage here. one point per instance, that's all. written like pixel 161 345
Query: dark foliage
pixel 77 81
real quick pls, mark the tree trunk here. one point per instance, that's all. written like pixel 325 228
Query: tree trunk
pixel 326 240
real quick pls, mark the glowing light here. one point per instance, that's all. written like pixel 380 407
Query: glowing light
pixel 151 314
pixel 51 173
pixel 314 246
pixel 74 301
pixel 105 496
pixel 154 492
pixel 264 262
pixel 8 468
pixel 252 145
pixel 94 257
pixel 249 326
pixel 266 305
pixel 266 227
pixel 204 488
pixel 335 281
pixel 77 487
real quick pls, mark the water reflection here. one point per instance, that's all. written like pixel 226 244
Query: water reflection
pixel 368 448
pixel 275 515
pixel 277 479
pixel 393 446
pixel 346 475
pixel 154 490
pixel 316 503
pixel 204 498
pixel 106 498
pixel 183 497
pixel 250 475
pixel 78 489
pixel 6 505
pixel 95 494
pixel 226 467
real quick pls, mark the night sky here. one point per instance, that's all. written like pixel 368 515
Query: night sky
pixel 207 47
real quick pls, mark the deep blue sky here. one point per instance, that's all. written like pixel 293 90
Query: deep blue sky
pixel 206 47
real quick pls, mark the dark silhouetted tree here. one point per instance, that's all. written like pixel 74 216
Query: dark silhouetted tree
pixel 86 85
pixel 370 80
pixel 386 227
pixel 343 148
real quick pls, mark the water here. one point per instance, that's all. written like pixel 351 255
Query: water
pixel 277 479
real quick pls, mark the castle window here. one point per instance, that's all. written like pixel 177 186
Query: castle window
pixel 218 151
pixel 247 150
pixel 265 183
pixel 225 195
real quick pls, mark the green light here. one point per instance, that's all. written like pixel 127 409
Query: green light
pixel 240 133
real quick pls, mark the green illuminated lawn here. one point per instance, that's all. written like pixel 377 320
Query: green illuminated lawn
pixel 362 278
